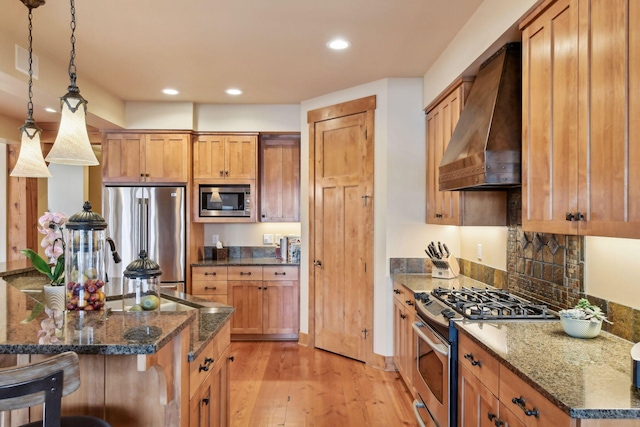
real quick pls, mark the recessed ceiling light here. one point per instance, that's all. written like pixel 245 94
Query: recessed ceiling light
pixel 338 44
pixel 233 91
pixel 50 110
pixel 169 91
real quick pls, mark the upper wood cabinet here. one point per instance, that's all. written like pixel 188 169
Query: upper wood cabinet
pixel 455 207
pixel 581 132
pixel 279 166
pixel 145 157
pixel 224 157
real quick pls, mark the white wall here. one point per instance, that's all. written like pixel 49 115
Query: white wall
pixel 66 189
pixel 159 115
pixel 493 241
pixel 247 118
pixel 248 234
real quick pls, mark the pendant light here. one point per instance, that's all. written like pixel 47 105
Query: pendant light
pixel 72 145
pixel 30 161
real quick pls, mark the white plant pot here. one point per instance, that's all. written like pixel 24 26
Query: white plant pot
pixel 579 328
pixel 54 297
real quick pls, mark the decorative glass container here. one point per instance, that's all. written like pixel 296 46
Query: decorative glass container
pixel 141 285
pixel 85 250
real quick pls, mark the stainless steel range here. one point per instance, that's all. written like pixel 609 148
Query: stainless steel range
pixel 436 376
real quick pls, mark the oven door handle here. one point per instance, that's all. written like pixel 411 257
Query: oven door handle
pixel 419 405
pixel 440 348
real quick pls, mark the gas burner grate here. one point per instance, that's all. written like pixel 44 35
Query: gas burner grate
pixel 491 304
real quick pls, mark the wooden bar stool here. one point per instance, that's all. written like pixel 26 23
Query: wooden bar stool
pixel 45 382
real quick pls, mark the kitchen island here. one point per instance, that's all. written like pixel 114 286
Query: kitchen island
pixel 588 381
pixel 140 368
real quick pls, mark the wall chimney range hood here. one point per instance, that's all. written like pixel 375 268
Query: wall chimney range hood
pixel 486 146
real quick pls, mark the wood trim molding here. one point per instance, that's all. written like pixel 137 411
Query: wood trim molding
pixel 340 110
pixel 453 86
pixel 303 339
pixel 535 10
pixel 384 363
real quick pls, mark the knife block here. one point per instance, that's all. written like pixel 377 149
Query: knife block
pixel 446 268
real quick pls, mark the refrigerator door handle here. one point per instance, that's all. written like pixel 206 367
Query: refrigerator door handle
pixel 143 219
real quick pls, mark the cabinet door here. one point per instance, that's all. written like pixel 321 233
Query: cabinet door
pixel 220 392
pixel 240 157
pixel 442 206
pixel 281 307
pixel 477 406
pixel 280 179
pixel 550 119
pixel 201 405
pixel 399 337
pixel 122 159
pixel 167 158
pixel 609 177
pixel 208 157
pixel 246 297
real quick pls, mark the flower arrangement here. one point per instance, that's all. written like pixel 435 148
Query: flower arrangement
pixel 50 224
pixel 51 327
pixel 584 310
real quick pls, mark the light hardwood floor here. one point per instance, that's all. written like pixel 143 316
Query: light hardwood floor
pixel 285 384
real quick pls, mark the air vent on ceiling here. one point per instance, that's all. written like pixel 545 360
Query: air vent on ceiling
pixel 22 61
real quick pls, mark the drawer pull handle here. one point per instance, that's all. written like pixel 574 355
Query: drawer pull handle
pixel 242 273
pixel 232 358
pixel 409 302
pixel 206 401
pixel 207 363
pixel 495 419
pixel 210 274
pixel 280 274
pixel 521 404
pixel 470 358
pixel 397 292
pixel 402 316
pixel 210 288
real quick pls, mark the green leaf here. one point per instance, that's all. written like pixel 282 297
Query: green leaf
pixel 37 309
pixel 41 265
pixel 59 270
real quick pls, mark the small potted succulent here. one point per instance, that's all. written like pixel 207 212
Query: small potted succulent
pixel 583 321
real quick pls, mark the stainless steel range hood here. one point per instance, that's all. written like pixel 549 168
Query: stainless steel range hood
pixel 485 147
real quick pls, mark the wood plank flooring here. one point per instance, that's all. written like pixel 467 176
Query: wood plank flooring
pixel 285 384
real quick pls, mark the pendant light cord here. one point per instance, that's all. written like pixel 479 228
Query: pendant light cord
pixel 72 61
pixel 30 103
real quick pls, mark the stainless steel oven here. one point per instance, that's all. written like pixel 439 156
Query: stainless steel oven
pixel 433 364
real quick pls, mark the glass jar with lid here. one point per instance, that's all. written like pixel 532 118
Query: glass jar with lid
pixel 85 250
pixel 141 285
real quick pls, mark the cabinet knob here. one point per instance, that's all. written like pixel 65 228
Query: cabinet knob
pixel 221 173
pixel 226 173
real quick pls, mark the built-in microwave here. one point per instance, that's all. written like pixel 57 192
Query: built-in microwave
pixel 225 200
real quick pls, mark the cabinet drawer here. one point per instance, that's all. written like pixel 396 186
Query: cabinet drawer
pixel 208 273
pixel 280 273
pixel 209 287
pixel 221 298
pixel 478 362
pixel 244 273
pixel 200 368
pixel 404 296
pixel 513 387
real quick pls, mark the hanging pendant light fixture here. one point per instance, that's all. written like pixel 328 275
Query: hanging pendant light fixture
pixel 30 161
pixel 72 145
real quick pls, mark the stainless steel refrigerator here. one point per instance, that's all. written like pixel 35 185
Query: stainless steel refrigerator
pixel 150 218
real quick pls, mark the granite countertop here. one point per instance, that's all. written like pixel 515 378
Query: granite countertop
pixel 243 261
pixel 585 378
pixel 105 332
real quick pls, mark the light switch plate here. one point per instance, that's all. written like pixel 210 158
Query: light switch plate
pixel 479 251
pixel 267 239
pixel 278 237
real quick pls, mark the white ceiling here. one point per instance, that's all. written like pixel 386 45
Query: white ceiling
pixel 274 50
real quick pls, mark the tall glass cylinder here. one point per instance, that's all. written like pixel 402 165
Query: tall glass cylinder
pixel 85 240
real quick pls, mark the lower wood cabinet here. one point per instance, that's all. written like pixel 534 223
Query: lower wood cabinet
pixel 209 283
pixel 404 339
pixel 266 300
pixel 209 384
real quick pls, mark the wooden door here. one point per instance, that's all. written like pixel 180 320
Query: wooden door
pixel 200 406
pixel 477 406
pixel 167 158
pixel 343 232
pixel 246 297
pixel 443 207
pixel 280 179
pixel 240 157
pixel 208 157
pixel 122 158
pixel 550 119
pixel 220 392
pixel 609 114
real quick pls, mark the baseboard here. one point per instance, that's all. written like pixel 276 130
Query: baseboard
pixel 303 339
pixel 264 337
pixel 384 363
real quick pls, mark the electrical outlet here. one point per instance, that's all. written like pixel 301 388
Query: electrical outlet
pixel 215 238
pixel 267 239
pixel 278 237
pixel 479 251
